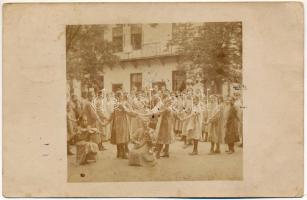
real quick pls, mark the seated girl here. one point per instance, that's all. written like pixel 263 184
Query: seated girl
pixel 86 138
pixel 142 153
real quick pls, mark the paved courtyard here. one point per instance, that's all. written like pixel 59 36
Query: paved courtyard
pixel 180 166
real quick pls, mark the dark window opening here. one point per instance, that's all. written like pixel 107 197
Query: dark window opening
pixel 118 38
pixel 179 80
pixel 136 36
pixel 136 81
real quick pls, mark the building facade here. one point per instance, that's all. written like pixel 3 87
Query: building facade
pixel 146 59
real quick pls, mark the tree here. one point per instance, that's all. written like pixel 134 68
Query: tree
pixel 214 49
pixel 87 51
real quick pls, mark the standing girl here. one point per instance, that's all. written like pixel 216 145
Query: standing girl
pixel 196 117
pixel 215 127
pixel 187 124
pixel 165 129
pixel 120 131
pixel 232 134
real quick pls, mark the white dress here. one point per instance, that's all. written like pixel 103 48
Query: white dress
pixel 225 113
pixel 187 125
pixel 197 120
pixel 108 107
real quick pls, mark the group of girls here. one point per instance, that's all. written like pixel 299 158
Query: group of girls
pixel 191 116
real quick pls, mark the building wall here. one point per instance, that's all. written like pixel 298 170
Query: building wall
pixel 154 41
pixel 152 71
pixel 151 33
pixel 160 33
pixel 155 38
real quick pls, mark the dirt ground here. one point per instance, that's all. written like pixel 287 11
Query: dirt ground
pixel 180 166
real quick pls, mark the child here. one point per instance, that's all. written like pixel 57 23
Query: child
pixel 165 135
pixel 120 132
pixel 187 124
pixel 87 146
pixel 177 122
pixel 214 125
pixel 232 135
pixel 196 118
pixel 142 153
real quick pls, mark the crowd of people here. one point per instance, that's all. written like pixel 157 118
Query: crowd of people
pixel 152 120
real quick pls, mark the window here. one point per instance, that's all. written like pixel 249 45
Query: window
pixel 179 80
pixel 118 38
pixel 136 81
pixel 136 36
pixel 117 87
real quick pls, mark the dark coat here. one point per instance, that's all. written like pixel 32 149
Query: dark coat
pixel 232 134
pixel 120 126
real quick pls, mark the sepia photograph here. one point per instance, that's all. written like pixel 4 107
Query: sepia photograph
pixel 154 102
pixel 167 100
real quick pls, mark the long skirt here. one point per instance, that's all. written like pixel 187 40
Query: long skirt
pixel 195 133
pixel 232 134
pixel 166 132
pixel 85 151
pixel 215 132
pixel 120 132
pixel 178 125
pixel 187 126
pixel 141 157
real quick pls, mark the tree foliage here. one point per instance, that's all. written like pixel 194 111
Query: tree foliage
pixel 214 49
pixel 87 51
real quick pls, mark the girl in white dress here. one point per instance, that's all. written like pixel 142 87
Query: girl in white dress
pixel 196 118
pixel 108 108
pixel 187 123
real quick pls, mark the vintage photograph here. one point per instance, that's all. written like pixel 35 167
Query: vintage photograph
pixel 154 102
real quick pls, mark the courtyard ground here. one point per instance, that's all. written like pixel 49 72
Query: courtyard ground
pixel 179 167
